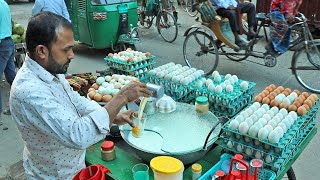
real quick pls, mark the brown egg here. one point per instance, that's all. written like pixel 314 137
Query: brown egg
pixel 91 89
pixel 302 97
pixel 315 97
pixel 274 103
pixel 262 95
pixel 312 100
pixel 288 89
pixel 272 86
pixel 129 49
pixel 292 107
pixel 97 97
pixel 286 93
pixel 95 86
pixel 277 91
pixel 281 88
pixel 269 89
pixel 257 99
pixel 91 94
pixel 302 110
pixel 266 92
pixel 273 94
pixel 305 94
pixel 110 55
pixel 130 60
pixel 148 54
pixel 132 73
pixel 266 100
pixel 106 98
pixel 306 106
pixel 283 105
pixel 297 103
pixel 300 100
pixel 308 102
pixel 297 91
pixel 271 97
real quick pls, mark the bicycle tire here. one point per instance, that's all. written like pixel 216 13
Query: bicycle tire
pixel 183 5
pixel 295 65
pixel 189 8
pixel 207 67
pixel 238 57
pixel 291 175
pixel 166 20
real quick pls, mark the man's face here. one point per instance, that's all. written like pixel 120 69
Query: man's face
pixel 61 52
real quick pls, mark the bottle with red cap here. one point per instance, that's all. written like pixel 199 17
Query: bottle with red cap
pixel 107 151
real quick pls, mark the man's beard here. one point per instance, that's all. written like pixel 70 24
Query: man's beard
pixel 55 68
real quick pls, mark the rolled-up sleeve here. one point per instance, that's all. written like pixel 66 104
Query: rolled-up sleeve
pixel 37 7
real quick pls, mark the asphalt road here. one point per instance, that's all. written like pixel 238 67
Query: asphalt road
pixel 90 60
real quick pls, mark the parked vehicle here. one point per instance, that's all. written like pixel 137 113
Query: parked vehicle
pixel 12 1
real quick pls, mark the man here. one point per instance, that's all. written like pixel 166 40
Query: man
pixel 56 6
pixel 56 123
pixel 7 48
pixel 282 12
pixel 227 8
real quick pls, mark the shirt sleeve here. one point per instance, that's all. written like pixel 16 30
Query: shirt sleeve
pixel 65 11
pixel 221 3
pixel 37 7
pixel 63 123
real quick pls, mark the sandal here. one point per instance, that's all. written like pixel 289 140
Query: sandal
pixel 7 112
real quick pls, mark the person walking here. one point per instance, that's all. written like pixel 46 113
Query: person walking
pixel 55 6
pixel 7 49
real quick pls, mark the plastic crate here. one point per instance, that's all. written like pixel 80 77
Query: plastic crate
pixel 263 174
pixel 130 66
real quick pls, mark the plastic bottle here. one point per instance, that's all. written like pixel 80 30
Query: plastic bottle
pixel 202 105
pixel 196 171
pixel 108 151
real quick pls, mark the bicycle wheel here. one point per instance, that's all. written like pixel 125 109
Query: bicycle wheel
pixel 200 51
pixel 291 175
pixel 189 8
pixel 233 55
pixel 183 4
pixel 306 66
pixel 167 26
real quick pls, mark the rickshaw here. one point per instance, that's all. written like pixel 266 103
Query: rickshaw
pixel 104 24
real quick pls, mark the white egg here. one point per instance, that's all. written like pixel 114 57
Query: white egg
pixel 270 113
pixel 283 126
pixel 244 114
pixel 100 80
pixel 280 131
pixel 243 127
pixel 223 86
pixel 160 74
pixel 254 118
pixel 263 133
pixel 262 111
pixel 278 98
pixel 121 81
pixel 269 127
pixel 258 124
pixel 217 78
pixel 244 85
pixel 204 80
pixel 234 124
pixel 269 159
pixel 294 95
pixel 249 111
pixel 175 79
pixel 267 117
pixel 229 88
pixel 265 107
pixel 184 81
pixel 227 82
pixel 199 84
pixel 291 98
pixel 275 109
pixel 249 121
pixel 105 84
pixel 117 85
pixel 247 139
pixel 263 121
pixel 259 155
pixel 114 91
pixel 283 111
pixel 249 151
pixel 280 116
pixel 277 119
pixel 253 131
pixel 201 72
pixel 215 73
pixel 230 144
pixel 167 77
pixel 273 137
pixel 290 119
pixel 227 76
pixel 287 101
pixel 258 105
pixel 107 91
pixel 108 78
pixel 116 76
pixel 239 148
pixel 218 89
pixel 211 87
pixel 253 107
pixel 287 123
pixel 178 65
pixel 231 80
pixel 294 115
pixel 112 81
pixel 239 118
pixel 273 123
pixel 208 81
pixel 235 78
pixel 101 90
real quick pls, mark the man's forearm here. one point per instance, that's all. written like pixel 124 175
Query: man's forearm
pixel 113 107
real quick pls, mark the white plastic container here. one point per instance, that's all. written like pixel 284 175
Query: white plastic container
pixel 167 168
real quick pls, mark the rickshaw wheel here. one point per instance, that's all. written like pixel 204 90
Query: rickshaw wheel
pixel 147 22
pixel 167 26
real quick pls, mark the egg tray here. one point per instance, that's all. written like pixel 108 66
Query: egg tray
pixel 287 142
pixel 230 112
pixel 263 174
pixel 130 66
pixel 142 76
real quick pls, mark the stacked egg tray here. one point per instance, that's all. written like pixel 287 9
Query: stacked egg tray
pixel 276 155
pixel 227 103
pixel 138 69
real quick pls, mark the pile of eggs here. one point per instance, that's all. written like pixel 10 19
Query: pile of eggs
pixel 177 73
pixel 288 99
pixel 130 56
pixel 107 87
pixel 262 122
pixel 227 84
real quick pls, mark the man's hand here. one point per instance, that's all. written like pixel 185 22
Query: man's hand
pixel 124 117
pixel 289 18
pixel 134 90
pixel 231 7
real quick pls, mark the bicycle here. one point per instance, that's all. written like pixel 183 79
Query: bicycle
pixel 189 4
pixel 166 23
pixel 207 41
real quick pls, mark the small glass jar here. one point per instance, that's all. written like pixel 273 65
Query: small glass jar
pixel 202 105
pixel 108 152
pixel 196 171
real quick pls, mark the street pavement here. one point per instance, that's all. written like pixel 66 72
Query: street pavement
pixel 90 60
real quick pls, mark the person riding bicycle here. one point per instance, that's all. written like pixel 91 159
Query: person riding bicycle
pixel 282 12
pixel 228 9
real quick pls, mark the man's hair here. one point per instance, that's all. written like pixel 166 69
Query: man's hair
pixel 43 29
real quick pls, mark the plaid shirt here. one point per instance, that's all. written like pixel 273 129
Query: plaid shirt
pixel 286 6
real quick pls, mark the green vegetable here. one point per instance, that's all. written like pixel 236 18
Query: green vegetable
pixel 16 38
pixel 18 29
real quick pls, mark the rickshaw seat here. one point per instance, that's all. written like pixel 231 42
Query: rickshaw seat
pixel 262 17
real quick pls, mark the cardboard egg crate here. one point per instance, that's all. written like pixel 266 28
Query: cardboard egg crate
pixel 130 66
